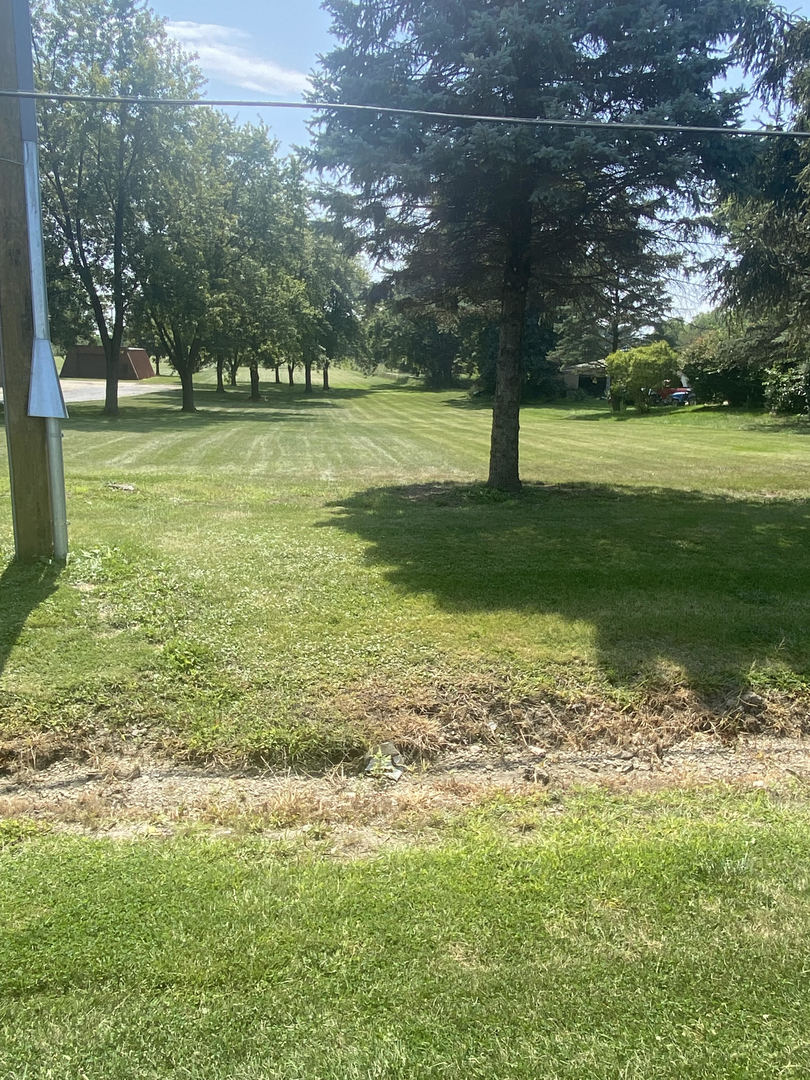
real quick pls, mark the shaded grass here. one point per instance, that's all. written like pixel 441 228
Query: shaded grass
pixel 675 588
pixel 23 588
pixel 240 575
pixel 661 936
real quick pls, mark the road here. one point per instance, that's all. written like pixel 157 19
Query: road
pixel 93 389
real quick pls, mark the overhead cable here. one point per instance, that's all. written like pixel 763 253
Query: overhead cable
pixel 526 121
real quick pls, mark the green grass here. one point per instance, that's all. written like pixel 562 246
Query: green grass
pixel 660 937
pixel 280 577
pixel 279 562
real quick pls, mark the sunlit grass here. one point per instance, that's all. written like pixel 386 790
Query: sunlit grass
pixel 243 581
pixel 663 937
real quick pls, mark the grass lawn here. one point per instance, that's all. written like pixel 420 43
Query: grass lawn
pixel 284 580
pixel 664 936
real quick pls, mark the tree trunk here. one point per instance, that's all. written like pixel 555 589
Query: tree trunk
pixel 254 381
pixel 307 376
pixel 187 386
pixel 275 368
pixel 326 374
pixel 439 375
pixel 111 343
pixel 504 446
pixel 220 371
pixel 446 373
pixel 290 370
pixel 117 336
pixel 112 355
pixel 157 365
pixel 233 368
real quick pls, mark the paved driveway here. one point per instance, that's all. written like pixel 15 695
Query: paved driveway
pixel 93 389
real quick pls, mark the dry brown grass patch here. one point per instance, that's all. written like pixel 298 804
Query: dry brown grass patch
pixel 426 720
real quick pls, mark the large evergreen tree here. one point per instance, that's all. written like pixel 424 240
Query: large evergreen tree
pixel 617 305
pixel 512 212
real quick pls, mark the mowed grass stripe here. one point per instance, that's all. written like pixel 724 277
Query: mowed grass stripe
pixel 283 443
pixel 557 446
pixel 656 451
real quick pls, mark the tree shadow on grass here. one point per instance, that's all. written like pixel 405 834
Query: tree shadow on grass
pixel 632 414
pixel 23 587
pixel 151 420
pixel 717 587
pixel 284 396
pixel 777 425
pixel 160 411
pixel 593 409
pixel 476 403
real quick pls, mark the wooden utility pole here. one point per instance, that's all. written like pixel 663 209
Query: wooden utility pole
pixel 36 531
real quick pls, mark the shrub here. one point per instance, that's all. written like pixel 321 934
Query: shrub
pixel 635 372
pixel 719 369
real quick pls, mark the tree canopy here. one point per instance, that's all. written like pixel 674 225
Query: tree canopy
pixel 176 222
pixel 97 161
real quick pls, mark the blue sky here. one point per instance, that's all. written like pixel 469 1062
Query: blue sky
pixel 263 49
pixel 254 49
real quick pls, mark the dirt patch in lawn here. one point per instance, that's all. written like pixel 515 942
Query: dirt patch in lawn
pixel 461 746
pixel 430 721
pixel 132 793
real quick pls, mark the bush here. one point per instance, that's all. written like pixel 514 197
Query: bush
pixel 787 388
pixel 635 372
pixel 718 371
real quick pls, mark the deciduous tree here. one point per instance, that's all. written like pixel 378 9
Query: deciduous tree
pixel 97 160
pixel 637 374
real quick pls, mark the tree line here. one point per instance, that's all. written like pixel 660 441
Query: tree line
pixel 176 227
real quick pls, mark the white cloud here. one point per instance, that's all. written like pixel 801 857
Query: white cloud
pixel 222 55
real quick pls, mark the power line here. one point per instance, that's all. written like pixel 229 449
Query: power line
pixel 526 121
